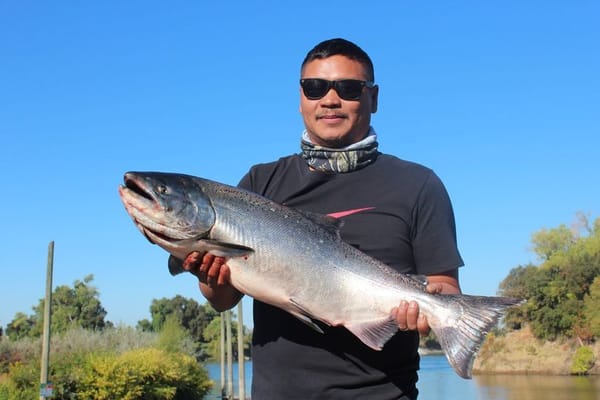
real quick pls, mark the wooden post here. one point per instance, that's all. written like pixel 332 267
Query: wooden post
pixel 241 365
pixel 229 355
pixel 47 316
pixel 222 355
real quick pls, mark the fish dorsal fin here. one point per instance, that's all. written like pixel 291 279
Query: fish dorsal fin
pixel 420 279
pixel 330 224
pixel 374 333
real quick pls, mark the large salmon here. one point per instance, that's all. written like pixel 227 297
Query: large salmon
pixel 297 261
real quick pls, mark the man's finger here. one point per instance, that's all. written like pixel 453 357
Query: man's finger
pixel 435 288
pixel 400 314
pixel 412 314
pixel 223 275
pixel 191 262
pixel 423 325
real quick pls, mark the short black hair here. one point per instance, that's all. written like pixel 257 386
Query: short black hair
pixel 341 47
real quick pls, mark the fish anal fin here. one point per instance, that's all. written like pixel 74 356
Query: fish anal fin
pixel 308 321
pixel 374 333
pixel 304 315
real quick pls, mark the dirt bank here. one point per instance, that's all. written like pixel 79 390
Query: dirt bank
pixel 519 352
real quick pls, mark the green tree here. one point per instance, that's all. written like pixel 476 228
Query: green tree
pixel 591 309
pixel 77 306
pixel 212 339
pixel 188 312
pixel 185 313
pixel 516 285
pixel 20 327
pixel 552 242
pixel 144 325
pixel 558 288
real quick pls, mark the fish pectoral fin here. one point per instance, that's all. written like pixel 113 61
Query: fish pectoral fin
pixel 217 248
pixel 374 333
pixel 304 315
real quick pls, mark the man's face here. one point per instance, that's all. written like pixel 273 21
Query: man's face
pixel 332 121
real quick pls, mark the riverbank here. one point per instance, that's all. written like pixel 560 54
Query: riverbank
pixel 436 378
pixel 519 352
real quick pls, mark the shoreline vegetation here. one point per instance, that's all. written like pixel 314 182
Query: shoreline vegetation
pixel 521 353
pixel 121 355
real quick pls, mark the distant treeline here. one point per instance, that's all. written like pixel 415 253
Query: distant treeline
pixel 563 291
pixel 91 358
pixel 79 307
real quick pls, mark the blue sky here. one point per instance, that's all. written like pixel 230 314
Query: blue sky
pixel 501 99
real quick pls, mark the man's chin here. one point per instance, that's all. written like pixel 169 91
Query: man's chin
pixel 329 138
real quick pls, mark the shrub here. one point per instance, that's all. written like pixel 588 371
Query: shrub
pixel 119 339
pixel 583 361
pixel 22 384
pixel 149 374
pixel 114 364
pixel 12 352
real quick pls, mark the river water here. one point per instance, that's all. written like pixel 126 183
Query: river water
pixel 437 381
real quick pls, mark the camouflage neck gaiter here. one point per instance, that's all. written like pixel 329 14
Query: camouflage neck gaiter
pixel 351 158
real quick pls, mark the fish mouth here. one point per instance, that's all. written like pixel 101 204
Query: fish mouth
pixel 136 196
pixel 136 186
pixel 144 208
pixel 165 212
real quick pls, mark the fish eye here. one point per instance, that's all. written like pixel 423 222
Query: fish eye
pixel 162 189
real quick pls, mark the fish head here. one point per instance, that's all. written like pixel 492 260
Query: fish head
pixel 171 210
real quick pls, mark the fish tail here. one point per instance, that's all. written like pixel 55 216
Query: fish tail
pixel 464 328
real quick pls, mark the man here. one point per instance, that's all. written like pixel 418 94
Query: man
pixel 394 210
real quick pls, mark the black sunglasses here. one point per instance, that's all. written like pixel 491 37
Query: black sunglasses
pixel 347 89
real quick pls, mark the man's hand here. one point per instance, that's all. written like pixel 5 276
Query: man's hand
pixel 215 280
pixel 407 314
pixel 210 270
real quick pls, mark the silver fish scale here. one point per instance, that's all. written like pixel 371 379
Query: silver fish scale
pixel 273 231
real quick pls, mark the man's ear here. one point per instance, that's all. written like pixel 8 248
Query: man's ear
pixel 374 98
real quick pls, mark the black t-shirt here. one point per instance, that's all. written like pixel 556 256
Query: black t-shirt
pixel 397 212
